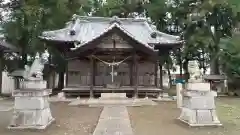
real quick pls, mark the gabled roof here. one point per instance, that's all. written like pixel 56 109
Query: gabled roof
pixel 84 29
pixel 115 28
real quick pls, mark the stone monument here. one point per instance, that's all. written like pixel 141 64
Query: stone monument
pixel 31 106
pixel 198 105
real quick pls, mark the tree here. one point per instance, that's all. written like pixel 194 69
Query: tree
pixel 196 19
pixel 157 11
pixel 230 56
pixel 120 8
pixel 28 19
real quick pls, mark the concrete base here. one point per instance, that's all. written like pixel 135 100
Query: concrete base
pixel 199 110
pixel 31 110
pixel 41 127
pixel 199 125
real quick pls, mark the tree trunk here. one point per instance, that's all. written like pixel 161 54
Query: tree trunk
pixel 214 66
pixel 185 68
pixel 169 76
pixel 24 60
pixel 23 42
pixel 180 63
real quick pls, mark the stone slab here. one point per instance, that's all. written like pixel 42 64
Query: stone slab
pixel 203 103
pixel 200 125
pixel 190 93
pixel 113 95
pixel 110 102
pixel 33 127
pixel 31 93
pixel 33 84
pixel 114 120
pixel 199 86
pixel 30 103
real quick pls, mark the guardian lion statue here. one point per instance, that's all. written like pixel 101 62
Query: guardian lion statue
pixel 194 71
pixel 33 72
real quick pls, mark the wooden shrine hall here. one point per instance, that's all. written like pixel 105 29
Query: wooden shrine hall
pixel 111 55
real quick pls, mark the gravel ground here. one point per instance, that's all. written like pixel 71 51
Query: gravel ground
pixel 145 120
pixel 69 121
pixel 161 120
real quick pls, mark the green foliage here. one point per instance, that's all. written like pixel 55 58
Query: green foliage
pixel 230 56
pixel 156 10
pixel 28 19
pixel 120 8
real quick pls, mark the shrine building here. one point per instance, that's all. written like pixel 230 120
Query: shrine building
pixel 111 55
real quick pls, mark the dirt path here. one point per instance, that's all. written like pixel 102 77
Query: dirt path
pixel 161 120
pixel 69 121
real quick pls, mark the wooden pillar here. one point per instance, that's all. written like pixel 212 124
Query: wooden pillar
pixel 131 72
pixel 1 67
pixel 156 74
pixel 135 75
pixel 161 76
pixel 92 77
pixel 103 74
pixel 161 54
pixel 94 72
pixel 66 71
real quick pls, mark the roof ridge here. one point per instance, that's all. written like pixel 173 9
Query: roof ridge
pixel 109 18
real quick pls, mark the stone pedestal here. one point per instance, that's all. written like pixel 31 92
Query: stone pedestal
pixel 31 108
pixel 179 95
pixel 33 85
pixel 198 108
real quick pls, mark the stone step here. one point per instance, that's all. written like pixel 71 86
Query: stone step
pixel 113 95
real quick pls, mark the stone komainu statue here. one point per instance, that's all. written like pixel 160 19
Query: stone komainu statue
pixel 194 71
pixel 33 72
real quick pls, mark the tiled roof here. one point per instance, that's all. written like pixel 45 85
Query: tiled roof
pixel 85 29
